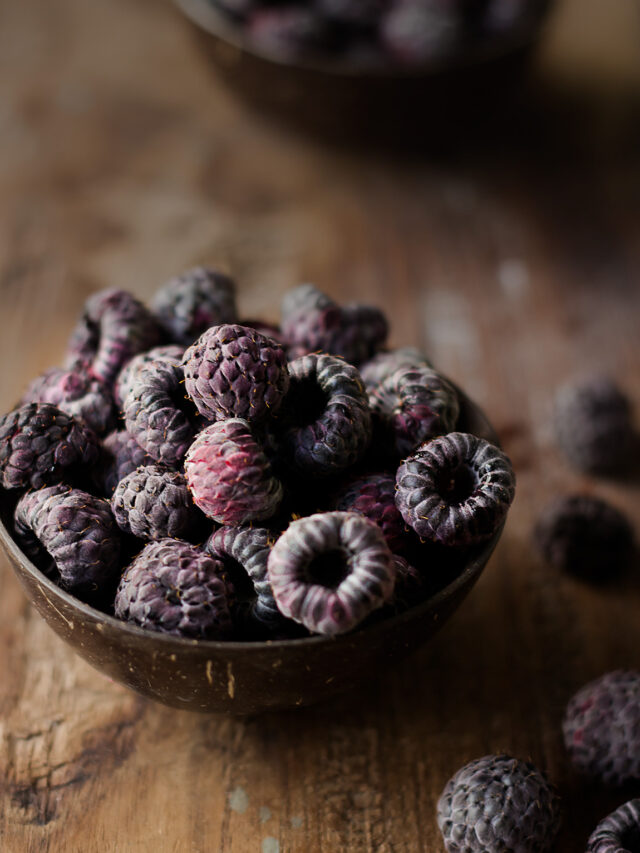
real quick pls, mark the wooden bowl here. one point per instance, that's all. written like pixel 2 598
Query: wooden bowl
pixel 347 101
pixel 241 678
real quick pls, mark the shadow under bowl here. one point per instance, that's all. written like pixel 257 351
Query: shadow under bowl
pixel 242 678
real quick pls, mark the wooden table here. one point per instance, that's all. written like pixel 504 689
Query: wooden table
pixel 514 263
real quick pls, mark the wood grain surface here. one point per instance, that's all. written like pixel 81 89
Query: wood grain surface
pixel 513 258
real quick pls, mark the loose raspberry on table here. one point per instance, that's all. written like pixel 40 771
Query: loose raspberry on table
pixel 381 366
pixel 125 379
pixel 158 415
pixel 325 423
pixel 193 302
pixel 121 454
pixel 585 536
pixel 174 588
pixel 373 495
pixel 229 475
pixel 41 445
pixel 456 489
pixel 234 371
pixel 498 803
pixel 76 531
pixel 154 503
pixel 413 405
pixel 114 327
pixel 619 832
pixel 330 570
pixel 601 728
pixel 76 393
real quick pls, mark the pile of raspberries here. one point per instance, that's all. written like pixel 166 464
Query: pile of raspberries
pixel 378 33
pixel 201 476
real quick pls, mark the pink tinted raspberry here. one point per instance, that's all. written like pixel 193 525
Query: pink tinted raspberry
pixel 229 475
pixel 76 393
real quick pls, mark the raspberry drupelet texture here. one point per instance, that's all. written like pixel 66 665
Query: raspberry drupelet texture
pixel 234 371
pixel 193 302
pixel 381 366
pixel 244 553
pixel 601 728
pixel 76 393
pixel 114 327
pixel 121 454
pixel 594 427
pixel 157 414
pixel 456 489
pixel 325 423
pixel 40 445
pixel 174 588
pixel 330 570
pixel 76 530
pixel 412 405
pixel 373 495
pixel 619 832
pixel 312 322
pixel 498 803
pixel 154 503
pixel 229 475
pixel 585 536
pixel 126 377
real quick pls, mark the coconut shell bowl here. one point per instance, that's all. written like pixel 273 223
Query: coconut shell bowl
pixel 245 678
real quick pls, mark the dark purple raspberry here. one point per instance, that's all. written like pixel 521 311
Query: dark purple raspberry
pixel 76 530
pixel 234 371
pixel 381 366
pixel 330 570
pixel 601 728
pixel 40 445
pixel 268 330
pixel 157 414
pixel 77 394
pixel 114 327
pixel 498 803
pixel 193 302
pixel 413 405
pixel 373 495
pixel 174 588
pixel 619 832
pixel 594 428
pixel 585 536
pixel 244 552
pixel 416 32
pixel 456 489
pixel 126 377
pixel 312 322
pixel 325 420
pixel 121 454
pixel 286 32
pixel 154 503
pixel 229 475
pixel 409 586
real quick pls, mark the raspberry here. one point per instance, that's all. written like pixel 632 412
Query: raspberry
pixel 619 832
pixel 40 445
pixel 174 588
pixel 601 728
pixel 244 552
pixel 229 475
pixel 415 32
pixel 77 394
pixel 594 426
pixel 456 489
pixel 325 421
pixel 157 414
pixel 585 536
pixel 126 377
pixel 114 327
pixel 76 531
pixel 330 570
pixel 358 12
pixel 153 503
pixel 121 454
pixel 377 369
pixel 498 803
pixel 373 495
pixel 190 303
pixel 413 405
pixel 233 371
pixel 286 32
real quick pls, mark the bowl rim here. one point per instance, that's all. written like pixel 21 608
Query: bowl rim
pixel 204 15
